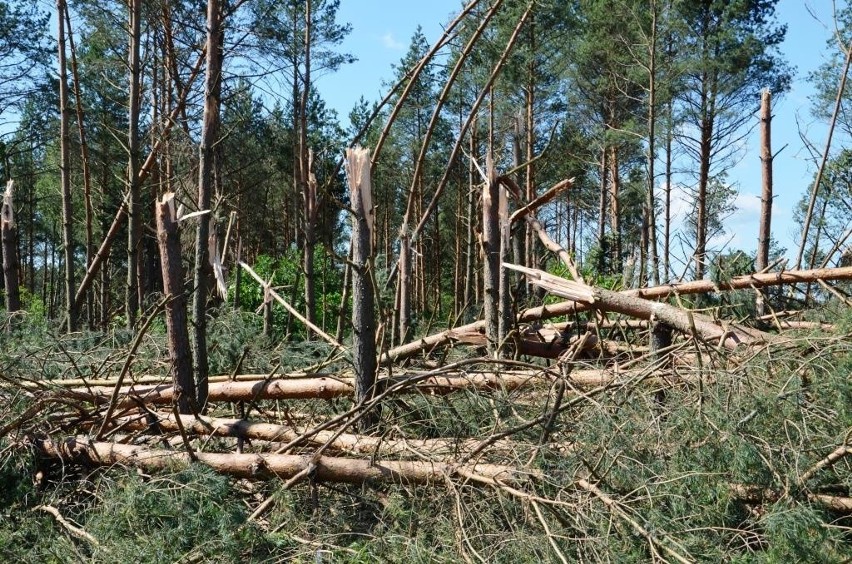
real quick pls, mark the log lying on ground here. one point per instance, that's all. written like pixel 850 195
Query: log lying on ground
pixel 260 466
pixel 327 387
pixel 606 300
pixel 343 442
pixel 756 494
pixel 655 293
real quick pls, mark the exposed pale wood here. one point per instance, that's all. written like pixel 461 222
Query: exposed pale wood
pixel 327 387
pixel 261 466
pixel 9 236
pixel 363 292
pixel 341 442
pixel 607 300
pixel 657 293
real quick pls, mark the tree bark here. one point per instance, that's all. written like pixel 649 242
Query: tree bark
pixel 180 356
pixel 9 236
pixel 363 292
pixel 134 208
pixel 491 254
pixel 209 136
pixel 277 466
pixel 65 175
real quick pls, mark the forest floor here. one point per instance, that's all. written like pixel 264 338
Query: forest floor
pixel 695 454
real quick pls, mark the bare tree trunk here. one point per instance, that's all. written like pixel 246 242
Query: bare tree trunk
pixel 651 204
pixel 765 232
pixel 307 180
pixel 701 198
pixel 602 204
pixel 667 261
pixel 505 312
pixel 65 174
pixel 209 136
pixel 404 289
pixel 9 236
pixel 87 175
pixel 470 237
pixel 134 210
pixel 615 207
pixel 363 292
pixel 176 323
pixel 491 251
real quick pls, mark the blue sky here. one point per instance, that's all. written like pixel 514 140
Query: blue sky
pixel 382 30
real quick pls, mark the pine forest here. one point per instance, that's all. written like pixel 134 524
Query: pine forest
pixel 499 313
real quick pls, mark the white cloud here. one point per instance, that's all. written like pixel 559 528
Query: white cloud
pixel 390 42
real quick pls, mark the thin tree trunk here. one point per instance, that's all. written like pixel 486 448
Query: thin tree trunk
pixel 9 237
pixel 667 228
pixel 209 136
pixel 651 211
pixel 180 356
pixel 84 153
pixel 65 174
pixel 615 208
pixel 134 211
pixel 764 235
pixel 491 252
pixel 306 180
pixel 363 306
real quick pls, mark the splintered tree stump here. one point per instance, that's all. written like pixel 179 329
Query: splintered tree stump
pixel 180 355
pixel 363 306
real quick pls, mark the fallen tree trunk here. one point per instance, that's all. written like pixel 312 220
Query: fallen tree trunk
pixel 328 387
pixel 606 300
pixel 260 466
pixel 656 293
pixel 341 442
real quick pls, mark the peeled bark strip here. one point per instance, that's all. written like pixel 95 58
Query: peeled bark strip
pixel 176 323
pixel 281 466
pixel 9 235
pixel 363 292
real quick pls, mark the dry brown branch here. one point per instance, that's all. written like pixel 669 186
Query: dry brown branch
pixel 260 466
pixel 70 527
pixel 331 340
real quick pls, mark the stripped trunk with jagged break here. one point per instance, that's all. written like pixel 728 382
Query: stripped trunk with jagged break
pixel 9 235
pixel 363 304
pixel 176 319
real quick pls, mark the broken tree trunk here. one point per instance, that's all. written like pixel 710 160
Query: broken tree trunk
pixel 9 235
pixel 764 233
pixel 363 306
pixel 180 355
pixel 280 466
pixel 685 321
